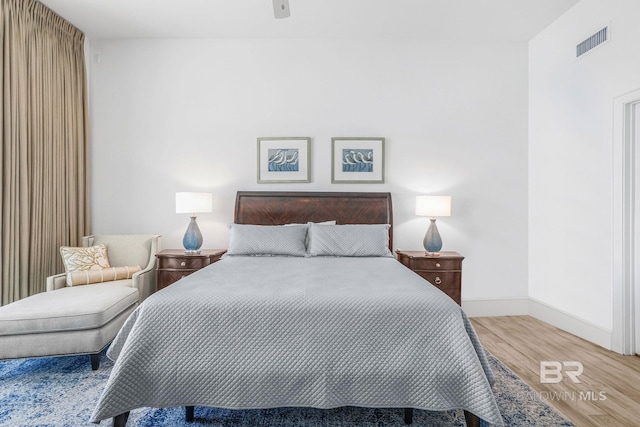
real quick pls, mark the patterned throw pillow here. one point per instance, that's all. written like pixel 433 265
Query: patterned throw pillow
pixel 86 277
pixel 84 258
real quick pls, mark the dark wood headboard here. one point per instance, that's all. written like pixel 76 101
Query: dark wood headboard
pixel 277 208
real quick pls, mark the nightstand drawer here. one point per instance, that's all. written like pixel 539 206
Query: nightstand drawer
pixel 442 279
pixel 436 264
pixel 168 277
pixel 186 263
pixel 174 264
pixel 444 272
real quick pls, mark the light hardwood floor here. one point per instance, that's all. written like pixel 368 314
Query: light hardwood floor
pixel 609 390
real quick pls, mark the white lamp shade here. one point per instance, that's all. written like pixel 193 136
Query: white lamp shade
pixel 433 206
pixel 193 203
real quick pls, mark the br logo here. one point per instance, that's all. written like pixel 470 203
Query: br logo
pixel 552 371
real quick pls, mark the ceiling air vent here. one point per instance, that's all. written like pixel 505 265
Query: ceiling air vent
pixel 592 42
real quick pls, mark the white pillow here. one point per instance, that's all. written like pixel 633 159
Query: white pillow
pixel 322 223
pixel 351 240
pixel 333 222
pixel 247 239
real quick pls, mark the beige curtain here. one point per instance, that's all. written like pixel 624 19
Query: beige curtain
pixel 43 161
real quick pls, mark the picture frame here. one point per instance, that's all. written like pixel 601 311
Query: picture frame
pixel 357 160
pixel 284 160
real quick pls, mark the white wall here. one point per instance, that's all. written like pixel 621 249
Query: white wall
pixel 570 155
pixel 183 115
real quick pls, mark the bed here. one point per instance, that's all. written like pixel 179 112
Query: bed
pixel 301 312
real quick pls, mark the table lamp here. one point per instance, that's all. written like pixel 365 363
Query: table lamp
pixel 433 206
pixel 193 203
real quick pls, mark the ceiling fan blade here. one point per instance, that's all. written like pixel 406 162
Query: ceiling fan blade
pixel 281 8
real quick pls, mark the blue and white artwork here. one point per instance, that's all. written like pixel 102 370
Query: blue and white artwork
pixel 357 160
pixel 283 160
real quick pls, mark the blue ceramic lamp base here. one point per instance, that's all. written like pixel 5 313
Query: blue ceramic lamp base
pixel 432 241
pixel 192 240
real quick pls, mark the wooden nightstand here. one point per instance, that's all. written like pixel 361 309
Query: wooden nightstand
pixel 444 271
pixel 174 264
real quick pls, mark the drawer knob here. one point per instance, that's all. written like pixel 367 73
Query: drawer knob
pixel 437 264
pixel 183 263
pixel 438 280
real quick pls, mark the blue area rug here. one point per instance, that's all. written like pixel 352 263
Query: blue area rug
pixel 63 391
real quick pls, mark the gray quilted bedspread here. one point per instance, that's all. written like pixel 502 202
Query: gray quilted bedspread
pixel 264 332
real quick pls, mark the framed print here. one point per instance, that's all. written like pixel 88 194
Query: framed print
pixel 285 159
pixel 357 160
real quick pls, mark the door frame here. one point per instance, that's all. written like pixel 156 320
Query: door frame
pixel 625 319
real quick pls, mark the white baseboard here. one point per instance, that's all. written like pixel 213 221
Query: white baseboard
pixel 570 323
pixel 496 307
pixel 542 311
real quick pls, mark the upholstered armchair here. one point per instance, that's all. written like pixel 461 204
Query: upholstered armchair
pixel 124 250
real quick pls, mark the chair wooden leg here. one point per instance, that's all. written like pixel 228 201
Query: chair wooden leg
pixel 120 420
pixel 188 413
pixel 408 416
pixel 95 361
pixel 471 419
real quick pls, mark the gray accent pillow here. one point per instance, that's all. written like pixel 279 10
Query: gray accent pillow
pixel 246 239
pixel 306 240
pixel 356 240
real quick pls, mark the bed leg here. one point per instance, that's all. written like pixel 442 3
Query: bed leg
pixel 95 361
pixel 471 419
pixel 408 416
pixel 188 413
pixel 120 420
